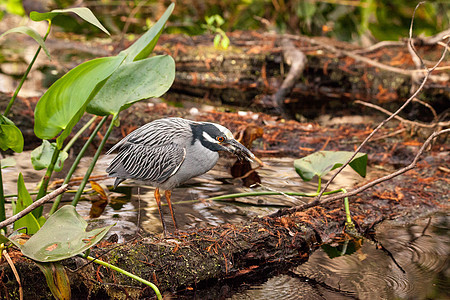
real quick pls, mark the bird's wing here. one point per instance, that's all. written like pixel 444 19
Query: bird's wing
pixel 138 161
pixel 157 133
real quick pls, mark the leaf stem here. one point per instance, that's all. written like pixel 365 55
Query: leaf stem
pixel 2 197
pixel 348 223
pixel 77 161
pixel 25 75
pixel 267 193
pixel 94 160
pixel 77 135
pixel 105 264
pixel 319 185
pixel 44 184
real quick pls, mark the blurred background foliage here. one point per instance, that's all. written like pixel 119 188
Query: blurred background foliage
pixel 364 22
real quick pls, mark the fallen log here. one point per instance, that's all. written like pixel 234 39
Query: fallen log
pixel 214 256
pixel 336 73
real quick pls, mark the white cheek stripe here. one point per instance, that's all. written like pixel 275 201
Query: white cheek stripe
pixel 209 138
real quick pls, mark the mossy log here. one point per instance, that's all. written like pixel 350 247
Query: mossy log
pixel 215 256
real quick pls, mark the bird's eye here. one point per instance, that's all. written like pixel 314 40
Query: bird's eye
pixel 220 139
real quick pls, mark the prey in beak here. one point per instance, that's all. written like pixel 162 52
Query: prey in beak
pixel 233 146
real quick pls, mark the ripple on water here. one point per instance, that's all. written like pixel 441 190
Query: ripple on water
pixel 420 270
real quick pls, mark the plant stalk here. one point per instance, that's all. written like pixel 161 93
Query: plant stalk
pixel 319 185
pixel 267 193
pixel 77 161
pixel 77 135
pixel 2 197
pixel 105 264
pixel 94 160
pixel 44 184
pixel 25 75
pixel 348 223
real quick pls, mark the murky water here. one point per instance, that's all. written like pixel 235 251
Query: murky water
pixel 192 208
pixel 416 265
pixel 417 269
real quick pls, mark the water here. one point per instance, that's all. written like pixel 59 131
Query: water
pixel 418 268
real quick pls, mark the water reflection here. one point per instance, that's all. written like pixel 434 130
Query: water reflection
pixel 418 268
pixel 138 207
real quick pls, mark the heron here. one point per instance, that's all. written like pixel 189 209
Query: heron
pixel 167 152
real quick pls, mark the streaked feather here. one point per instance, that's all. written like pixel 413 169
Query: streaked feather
pixel 153 152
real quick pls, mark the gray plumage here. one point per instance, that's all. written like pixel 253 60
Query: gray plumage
pixel 167 152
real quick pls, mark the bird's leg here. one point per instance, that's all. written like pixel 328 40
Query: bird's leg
pixel 168 194
pixel 158 201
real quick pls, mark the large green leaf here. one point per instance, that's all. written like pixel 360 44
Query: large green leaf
pixel 10 136
pixel 23 201
pixel 32 33
pixel 322 162
pixel 65 101
pixel 42 156
pixel 57 280
pixel 145 44
pixel 63 235
pixel 83 12
pixel 132 82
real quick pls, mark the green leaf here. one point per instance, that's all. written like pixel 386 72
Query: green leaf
pixel 10 136
pixel 61 107
pixel 145 44
pixel 217 39
pixel 150 77
pixel 83 12
pixel 322 162
pixel 23 201
pixel 8 162
pixel 42 156
pixel 32 33
pixel 57 280
pixel 14 7
pixel 4 239
pixel 63 235
pixel 225 43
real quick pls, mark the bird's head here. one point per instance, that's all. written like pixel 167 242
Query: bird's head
pixel 219 138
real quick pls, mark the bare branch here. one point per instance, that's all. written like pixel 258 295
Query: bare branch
pixel 368 185
pixel 419 124
pixel 419 89
pixel 34 205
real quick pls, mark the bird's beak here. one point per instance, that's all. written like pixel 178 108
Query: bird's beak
pixel 239 150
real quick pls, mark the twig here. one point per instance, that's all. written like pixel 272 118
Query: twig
pixel 372 62
pixel 411 49
pixel 389 135
pixel 433 111
pixel 419 124
pixel 368 185
pixel 381 44
pixel 34 205
pixel 11 264
pixel 317 200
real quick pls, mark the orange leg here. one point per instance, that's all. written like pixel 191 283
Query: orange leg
pixel 158 201
pixel 168 194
